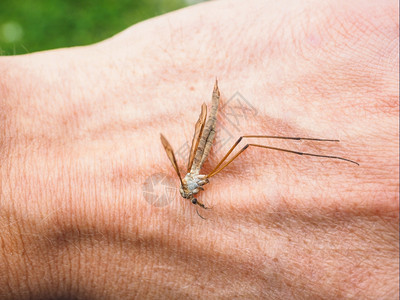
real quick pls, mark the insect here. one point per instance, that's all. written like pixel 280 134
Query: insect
pixel 203 137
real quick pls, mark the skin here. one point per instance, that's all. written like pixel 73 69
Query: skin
pixel 79 136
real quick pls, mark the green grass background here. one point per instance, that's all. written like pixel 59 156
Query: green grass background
pixel 32 25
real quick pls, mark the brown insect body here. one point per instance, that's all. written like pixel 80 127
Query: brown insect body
pixel 203 137
pixel 201 145
pixel 192 184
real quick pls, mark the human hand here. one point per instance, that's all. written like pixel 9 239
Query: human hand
pixel 80 137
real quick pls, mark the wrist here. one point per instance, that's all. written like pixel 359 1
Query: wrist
pixel 32 252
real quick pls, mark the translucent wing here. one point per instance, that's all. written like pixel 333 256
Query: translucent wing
pixel 171 156
pixel 197 134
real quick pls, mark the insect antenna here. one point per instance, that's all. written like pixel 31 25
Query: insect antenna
pixel 200 215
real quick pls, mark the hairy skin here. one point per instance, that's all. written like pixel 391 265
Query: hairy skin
pixel 79 136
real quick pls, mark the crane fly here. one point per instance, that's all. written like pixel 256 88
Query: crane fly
pixel 203 137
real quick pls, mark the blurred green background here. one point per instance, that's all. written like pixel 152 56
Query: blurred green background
pixel 32 25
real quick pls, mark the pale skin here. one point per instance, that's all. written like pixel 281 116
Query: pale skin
pixel 79 135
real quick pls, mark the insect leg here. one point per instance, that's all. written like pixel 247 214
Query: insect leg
pixel 274 148
pixel 267 137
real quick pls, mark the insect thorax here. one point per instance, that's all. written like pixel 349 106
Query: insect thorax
pixel 192 184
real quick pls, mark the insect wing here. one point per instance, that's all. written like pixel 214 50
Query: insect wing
pixel 170 154
pixel 197 134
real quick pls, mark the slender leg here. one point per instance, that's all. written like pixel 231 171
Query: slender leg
pixel 278 149
pixel 268 137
